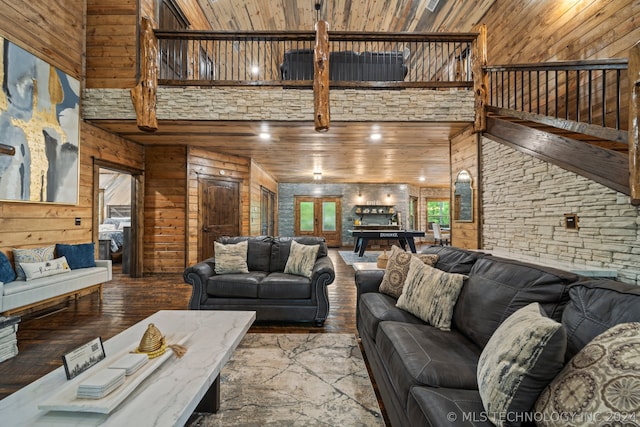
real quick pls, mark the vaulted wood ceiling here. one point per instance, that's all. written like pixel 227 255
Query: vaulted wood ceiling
pixel 405 153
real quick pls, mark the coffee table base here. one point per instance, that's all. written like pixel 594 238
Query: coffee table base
pixel 210 402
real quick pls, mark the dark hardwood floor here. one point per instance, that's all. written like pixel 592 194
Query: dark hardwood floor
pixel 43 338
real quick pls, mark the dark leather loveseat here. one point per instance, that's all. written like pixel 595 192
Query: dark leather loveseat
pixel 428 377
pixel 266 289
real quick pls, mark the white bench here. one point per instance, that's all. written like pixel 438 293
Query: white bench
pixel 21 295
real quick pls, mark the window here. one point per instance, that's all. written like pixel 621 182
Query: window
pixel 174 56
pixel 438 211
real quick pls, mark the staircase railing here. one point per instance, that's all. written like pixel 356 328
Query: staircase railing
pixel 590 97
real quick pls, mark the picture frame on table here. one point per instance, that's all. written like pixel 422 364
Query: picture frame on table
pixel 82 358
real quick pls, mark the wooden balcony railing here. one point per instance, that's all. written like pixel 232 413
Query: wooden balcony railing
pixel 586 96
pixel 434 60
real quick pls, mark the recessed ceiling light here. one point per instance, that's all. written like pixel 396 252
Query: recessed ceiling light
pixel 376 136
pixel 265 135
pixel 255 70
pixel 422 178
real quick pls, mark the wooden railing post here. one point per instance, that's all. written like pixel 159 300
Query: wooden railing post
pixel 634 124
pixel 321 77
pixel 144 93
pixel 480 80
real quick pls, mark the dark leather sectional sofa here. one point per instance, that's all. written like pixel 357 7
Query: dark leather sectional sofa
pixel 346 66
pixel 266 289
pixel 427 377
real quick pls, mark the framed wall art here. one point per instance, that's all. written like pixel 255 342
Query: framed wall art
pixel 40 119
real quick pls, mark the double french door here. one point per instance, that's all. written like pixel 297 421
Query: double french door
pixel 319 216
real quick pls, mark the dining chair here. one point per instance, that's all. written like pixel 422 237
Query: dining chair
pixel 440 237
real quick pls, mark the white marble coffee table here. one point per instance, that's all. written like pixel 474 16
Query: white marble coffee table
pixel 168 396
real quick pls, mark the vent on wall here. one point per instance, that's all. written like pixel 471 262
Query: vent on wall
pixel 432 4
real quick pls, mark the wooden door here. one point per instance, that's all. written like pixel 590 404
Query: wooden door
pixel 319 216
pixel 219 212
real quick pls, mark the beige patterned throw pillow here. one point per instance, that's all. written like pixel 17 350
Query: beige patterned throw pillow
pixel 395 273
pixel 31 255
pixel 601 383
pixel 521 358
pixel 231 258
pixel 301 259
pixel 430 294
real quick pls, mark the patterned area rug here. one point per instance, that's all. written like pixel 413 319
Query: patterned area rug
pixel 295 380
pixel 349 257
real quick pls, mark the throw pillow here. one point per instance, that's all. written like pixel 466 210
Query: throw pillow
pixel 231 258
pixel 36 270
pixel 7 273
pixel 78 256
pixel 31 255
pixel 602 380
pixel 520 359
pixel 395 273
pixel 429 259
pixel 430 294
pixel 301 259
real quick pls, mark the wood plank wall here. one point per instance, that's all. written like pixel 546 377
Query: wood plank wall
pixel 260 177
pixel 465 154
pixel 204 163
pixel 54 31
pixel 165 207
pixel 112 43
pixel 25 225
pixel 552 30
pixel 50 29
pixel 112 38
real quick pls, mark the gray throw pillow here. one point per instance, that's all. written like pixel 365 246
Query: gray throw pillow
pixel 301 259
pixel 521 358
pixel 231 258
pixel 600 383
pixel 430 294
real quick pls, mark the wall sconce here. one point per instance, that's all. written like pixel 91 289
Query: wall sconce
pixel 388 195
pixel 317 176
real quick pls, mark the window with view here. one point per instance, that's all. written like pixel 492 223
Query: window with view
pixel 438 211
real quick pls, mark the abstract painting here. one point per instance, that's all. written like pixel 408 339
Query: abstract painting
pixel 39 118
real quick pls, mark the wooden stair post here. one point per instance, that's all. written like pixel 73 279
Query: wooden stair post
pixel 634 124
pixel 144 93
pixel 480 80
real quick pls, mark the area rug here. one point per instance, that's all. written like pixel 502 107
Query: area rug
pixel 295 380
pixel 349 257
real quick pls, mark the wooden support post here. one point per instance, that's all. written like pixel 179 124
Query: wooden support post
pixel 143 94
pixel 7 150
pixel 480 80
pixel 321 77
pixel 634 124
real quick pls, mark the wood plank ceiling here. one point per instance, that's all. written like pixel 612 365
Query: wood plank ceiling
pixel 412 153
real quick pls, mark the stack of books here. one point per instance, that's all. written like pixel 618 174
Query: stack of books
pixel 101 384
pixel 130 362
pixel 8 337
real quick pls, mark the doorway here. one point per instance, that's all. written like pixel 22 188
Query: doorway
pixel 219 212
pixel 319 216
pixel 117 220
pixel 267 212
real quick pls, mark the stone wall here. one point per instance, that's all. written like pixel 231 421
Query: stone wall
pixel 524 202
pixel 230 103
pixel 352 194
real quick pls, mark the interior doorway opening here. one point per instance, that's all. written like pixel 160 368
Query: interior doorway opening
pixel 117 218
